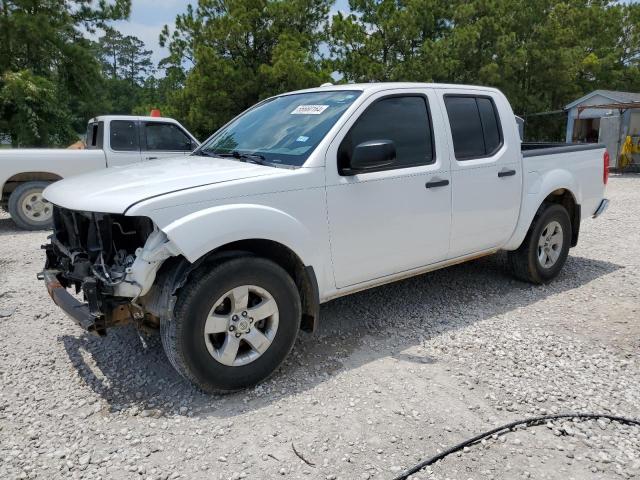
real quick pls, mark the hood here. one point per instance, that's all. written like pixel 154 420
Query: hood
pixel 115 189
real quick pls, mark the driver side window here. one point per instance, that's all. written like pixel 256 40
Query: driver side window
pixel 404 120
pixel 166 137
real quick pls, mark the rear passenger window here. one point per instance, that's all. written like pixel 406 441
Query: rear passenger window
pixel 403 120
pixel 490 125
pixel 475 126
pixel 124 136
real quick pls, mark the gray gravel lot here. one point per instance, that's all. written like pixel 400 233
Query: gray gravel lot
pixel 394 375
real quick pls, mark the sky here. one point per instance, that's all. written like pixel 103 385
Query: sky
pixel 149 16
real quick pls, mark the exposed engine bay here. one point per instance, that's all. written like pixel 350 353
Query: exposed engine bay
pixel 110 259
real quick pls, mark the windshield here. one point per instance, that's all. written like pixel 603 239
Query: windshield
pixel 283 130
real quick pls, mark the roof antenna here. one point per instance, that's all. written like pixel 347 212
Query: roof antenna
pixel 328 84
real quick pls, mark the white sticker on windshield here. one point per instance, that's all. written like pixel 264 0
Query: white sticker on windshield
pixel 302 138
pixel 309 109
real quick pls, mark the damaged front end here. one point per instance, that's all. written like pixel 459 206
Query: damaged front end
pixel 110 260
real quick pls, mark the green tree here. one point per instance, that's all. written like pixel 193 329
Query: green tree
pixel 109 50
pixel 544 53
pixel 238 52
pixel 30 103
pixel 391 40
pixel 128 71
pixel 541 53
pixel 48 70
pixel 135 61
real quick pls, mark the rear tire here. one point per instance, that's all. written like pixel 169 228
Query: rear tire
pixel 544 251
pixel 213 339
pixel 28 209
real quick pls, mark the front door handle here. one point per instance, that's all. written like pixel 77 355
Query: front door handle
pixel 152 158
pixel 437 183
pixel 506 173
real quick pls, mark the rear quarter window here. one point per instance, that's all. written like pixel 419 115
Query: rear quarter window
pixel 95 133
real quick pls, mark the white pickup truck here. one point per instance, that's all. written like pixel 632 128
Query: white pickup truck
pixel 111 141
pixel 303 198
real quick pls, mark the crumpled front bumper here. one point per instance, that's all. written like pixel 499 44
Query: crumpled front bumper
pixel 80 313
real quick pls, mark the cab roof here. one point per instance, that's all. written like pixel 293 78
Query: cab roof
pixel 104 118
pixel 379 86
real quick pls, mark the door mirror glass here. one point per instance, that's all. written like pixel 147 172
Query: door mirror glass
pixel 372 155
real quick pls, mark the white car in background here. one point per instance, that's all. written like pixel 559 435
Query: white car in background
pixel 111 141
pixel 306 197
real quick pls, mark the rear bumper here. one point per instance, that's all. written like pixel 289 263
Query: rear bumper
pixel 604 204
pixel 80 313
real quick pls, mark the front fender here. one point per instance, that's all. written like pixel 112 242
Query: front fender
pixel 200 232
pixel 538 188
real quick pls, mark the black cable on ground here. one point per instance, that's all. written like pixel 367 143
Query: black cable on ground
pixel 528 422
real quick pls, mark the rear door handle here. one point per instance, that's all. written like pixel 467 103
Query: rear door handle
pixel 152 158
pixel 506 173
pixel 437 183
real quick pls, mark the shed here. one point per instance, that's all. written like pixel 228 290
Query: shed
pixel 613 117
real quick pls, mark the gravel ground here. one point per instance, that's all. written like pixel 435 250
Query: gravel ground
pixel 395 375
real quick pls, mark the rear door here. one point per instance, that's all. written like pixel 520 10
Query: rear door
pixel 164 139
pixel 395 219
pixel 124 143
pixel 486 171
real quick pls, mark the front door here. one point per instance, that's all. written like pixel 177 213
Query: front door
pixel 164 139
pixel 397 218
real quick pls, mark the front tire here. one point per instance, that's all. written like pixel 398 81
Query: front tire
pixel 233 325
pixel 28 208
pixel 544 251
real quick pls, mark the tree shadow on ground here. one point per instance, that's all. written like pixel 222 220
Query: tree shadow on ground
pixel 378 322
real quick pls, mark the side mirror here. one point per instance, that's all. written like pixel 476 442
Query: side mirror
pixel 372 155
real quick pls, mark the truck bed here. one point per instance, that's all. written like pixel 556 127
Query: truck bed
pixel 576 166
pixel 535 149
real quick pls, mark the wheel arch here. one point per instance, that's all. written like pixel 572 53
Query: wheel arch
pixel 304 276
pixel 12 182
pixel 178 270
pixel 566 198
pixel 554 194
pixel 207 235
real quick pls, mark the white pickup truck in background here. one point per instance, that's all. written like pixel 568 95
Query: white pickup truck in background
pixel 111 141
pixel 306 197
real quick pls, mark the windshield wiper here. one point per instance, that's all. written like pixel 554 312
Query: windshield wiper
pixel 256 158
pixel 246 157
pixel 204 153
